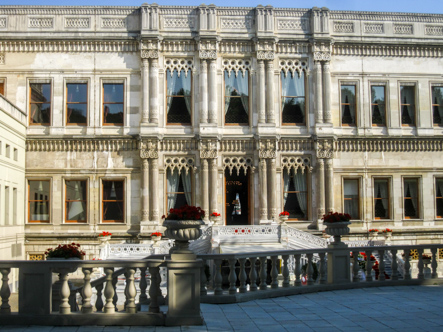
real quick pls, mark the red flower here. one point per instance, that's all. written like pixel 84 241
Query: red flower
pixel 186 212
pixel 336 217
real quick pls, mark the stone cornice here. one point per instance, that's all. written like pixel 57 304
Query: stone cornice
pixel 70 46
pixel 428 51
pixel 385 16
pixel 81 145
pixel 60 10
pixel 413 144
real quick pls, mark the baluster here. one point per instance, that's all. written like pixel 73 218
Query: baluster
pixel 203 279
pixel 109 291
pixel 232 276
pixel 242 276
pixel 285 271
pixel 310 270
pixel 368 265
pixel 297 270
pixel 218 277
pixel 323 279
pixel 87 291
pixel 355 266
pixel 154 290
pixel 420 274
pixel 407 275
pixel 263 266
pixel 274 272
pixel 65 307
pixel 130 291
pixel 5 291
pixel 253 274
pixel 434 273
pixel 99 301
pixel 115 297
pixel 125 292
pixel 394 265
pixel 143 298
pixel 381 266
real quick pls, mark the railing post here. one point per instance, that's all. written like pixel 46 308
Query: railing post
pixel 5 291
pixel 323 279
pixel 263 266
pixel 130 291
pixel 355 266
pixel 218 277
pixel 297 270
pixel 310 270
pixel 368 265
pixel 285 271
pixel 154 290
pixel 394 265
pixel 203 279
pixel 242 276
pixel 420 275
pixel 109 291
pixel 381 266
pixel 274 272
pixel 115 297
pixel 143 298
pixel 434 273
pixel 407 273
pixel 65 291
pixel 87 291
pixel 99 301
pixel 253 274
pixel 232 276
pixel 339 263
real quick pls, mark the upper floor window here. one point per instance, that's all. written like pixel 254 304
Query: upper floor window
pixel 351 198
pixel 295 193
pixel 378 105
pixel 76 201
pixel 237 97
pixel 178 97
pixel 179 188
pixel 407 105
pixel 381 198
pixel 348 104
pixel 40 103
pixel 410 195
pixel 113 201
pixel 77 103
pixel 113 104
pixel 293 98
pixel 439 197
pixel 38 201
pixel 437 105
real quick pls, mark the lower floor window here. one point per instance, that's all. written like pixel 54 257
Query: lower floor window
pixel 381 199
pixel 439 197
pixel 76 201
pixel 179 189
pixel 411 198
pixel 113 200
pixel 38 201
pixel 295 194
pixel 351 198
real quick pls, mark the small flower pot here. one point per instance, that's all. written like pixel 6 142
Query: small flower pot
pixel 215 219
pixel 283 219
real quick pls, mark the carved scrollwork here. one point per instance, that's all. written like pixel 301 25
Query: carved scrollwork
pixel 325 149
pixel 179 65
pixel 180 163
pixel 296 162
pixel 208 54
pixel 208 149
pixel 322 56
pixel 265 55
pixel 267 149
pixel 149 149
pixel 149 54
pixel 239 163
pixel 236 65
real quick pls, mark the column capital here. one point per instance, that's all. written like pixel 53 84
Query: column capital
pixel 149 49
pixel 208 148
pixel 149 149
pixel 208 48
pixel 265 55
pixel 267 148
pixel 325 148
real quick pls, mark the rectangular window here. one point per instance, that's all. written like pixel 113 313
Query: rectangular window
pixel 113 104
pixel 439 198
pixel 179 188
pixel 40 103
pixel 237 97
pixel 7 221
pixel 295 194
pixel 8 151
pixel 76 103
pixel 381 199
pixel 15 154
pixel 14 206
pixel 437 105
pixel 348 105
pixel 410 194
pixel 113 204
pixel 178 97
pixel 76 201
pixel 407 105
pixel 378 105
pixel 2 88
pixel 351 197
pixel 38 201
pixel 293 98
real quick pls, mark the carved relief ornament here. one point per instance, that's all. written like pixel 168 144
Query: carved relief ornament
pixel 265 55
pixel 149 149
pixel 322 56
pixel 208 149
pixel 267 149
pixel 149 49
pixel 207 49
pixel 325 149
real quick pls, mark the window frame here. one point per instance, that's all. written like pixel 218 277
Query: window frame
pixel 123 103
pixel 417 216
pixel 308 195
pixel 358 179
pixel 342 103
pixel 167 192
pixel 68 82
pixel 249 98
pixel 437 197
pixel 29 221
pixel 401 104
pixel 168 76
pixel 123 200
pixel 86 200
pixel 388 181
pixel 30 102
pixel 386 104
pixel 290 73
pixel 3 87
pixel 432 86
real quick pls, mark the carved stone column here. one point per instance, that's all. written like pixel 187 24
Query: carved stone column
pixel 327 117
pixel 212 91
pixel 263 191
pixel 214 187
pixel 145 190
pixel 204 92
pixel 318 93
pixel 154 189
pixel 153 96
pixel 205 187
pixel 270 113
pixel 145 90
pixel 268 173
pixel 329 185
pixel 261 93
pixel 320 193
pixel 272 190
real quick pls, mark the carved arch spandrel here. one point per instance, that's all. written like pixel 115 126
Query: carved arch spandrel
pixel 239 164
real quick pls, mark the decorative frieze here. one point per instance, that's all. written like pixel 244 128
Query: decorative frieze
pixel 41 22
pixel 300 24
pixel 267 148
pixel 292 48
pixel 77 22
pixel 59 10
pixel 343 27
pixel 149 149
pixel 113 23
pixel 149 49
pixel 296 162
pixel 2 58
pixel 374 28
pixel 374 16
pixel 325 149
pixel 265 55
pixel 232 23
pixel 178 145
pixel 177 46
pixel 80 145
pixel 238 163
pixel 434 30
pixel 180 163
pixel 388 50
pixel 295 145
pixel 403 29
pixel 389 145
pixel 293 66
pixel 233 47
pixel 322 56
pixel 234 145
pixel 3 23
pixel 71 46
pixel 179 65
pixel 208 49
pixel 174 22
pixel 236 65
pixel 208 149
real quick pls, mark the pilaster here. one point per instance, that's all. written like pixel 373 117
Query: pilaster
pixel 204 91
pixel 145 90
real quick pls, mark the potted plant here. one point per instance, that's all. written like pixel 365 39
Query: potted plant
pixel 215 217
pixel 387 233
pixel 65 251
pixel 426 259
pixel 284 216
pixel 337 224
pixel 104 237
pixel 156 236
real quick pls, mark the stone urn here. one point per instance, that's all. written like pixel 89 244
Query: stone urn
pixel 104 239
pixel 283 219
pixel 182 231
pixel 337 229
pixel 215 219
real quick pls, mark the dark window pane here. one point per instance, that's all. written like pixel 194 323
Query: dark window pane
pixel 178 112
pixel 40 92
pixel 113 93
pixel 113 202
pixel 381 199
pixel 378 105
pixel 348 104
pixel 77 92
pixel 351 198
pixel 77 113
pixel 113 211
pixel 40 113
pixel 439 198
pixel 407 105
pixel 437 105
pixel 39 201
pixel 294 110
pixel 113 113
pixel 236 112
pixel 178 86
pixel 411 198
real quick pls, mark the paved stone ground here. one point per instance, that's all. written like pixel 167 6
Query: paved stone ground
pixel 399 308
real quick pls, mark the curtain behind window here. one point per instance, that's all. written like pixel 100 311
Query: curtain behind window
pixel 172 186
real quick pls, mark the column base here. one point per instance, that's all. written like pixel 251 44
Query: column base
pixel 265 222
pixel 313 225
pixel 149 226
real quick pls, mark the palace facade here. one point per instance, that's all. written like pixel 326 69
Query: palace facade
pixel 247 112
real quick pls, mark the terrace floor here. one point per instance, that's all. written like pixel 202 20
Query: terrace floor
pixel 397 308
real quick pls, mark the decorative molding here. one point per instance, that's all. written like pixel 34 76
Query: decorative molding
pixel 208 149
pixel 237 145
pixel 290 12
pixel 2 58
pixel 239 163
pixel 292 48
pixel 149 48
pixel 234 11
pixel 178 145
pixel 294 145
pixel 77 22
pixel 175 10
pixel 176 46
pixel 374 28
pixel 265 55
pixel 325 148
pixel 174 22
pixel 322 56
pixel 80 145
pixel 412 144
pixel 293 66
pixel 179 65
pixel 388 50
pixel 434 30
pixel 41 22
pixel 149 149
pixel 180 163
pixel 267 148
pixel 236 47
pixel 343 27
pixel 3 22
pixel 231 23
pixel 56 10
pixel 56 46
pixel 236 65
pixel 208 49
pixel 113 23
pixel 381 16
pixel 403 29
pixel 296 162
pixel 301 24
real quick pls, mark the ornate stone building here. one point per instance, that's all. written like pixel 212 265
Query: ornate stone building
pixel 243 111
